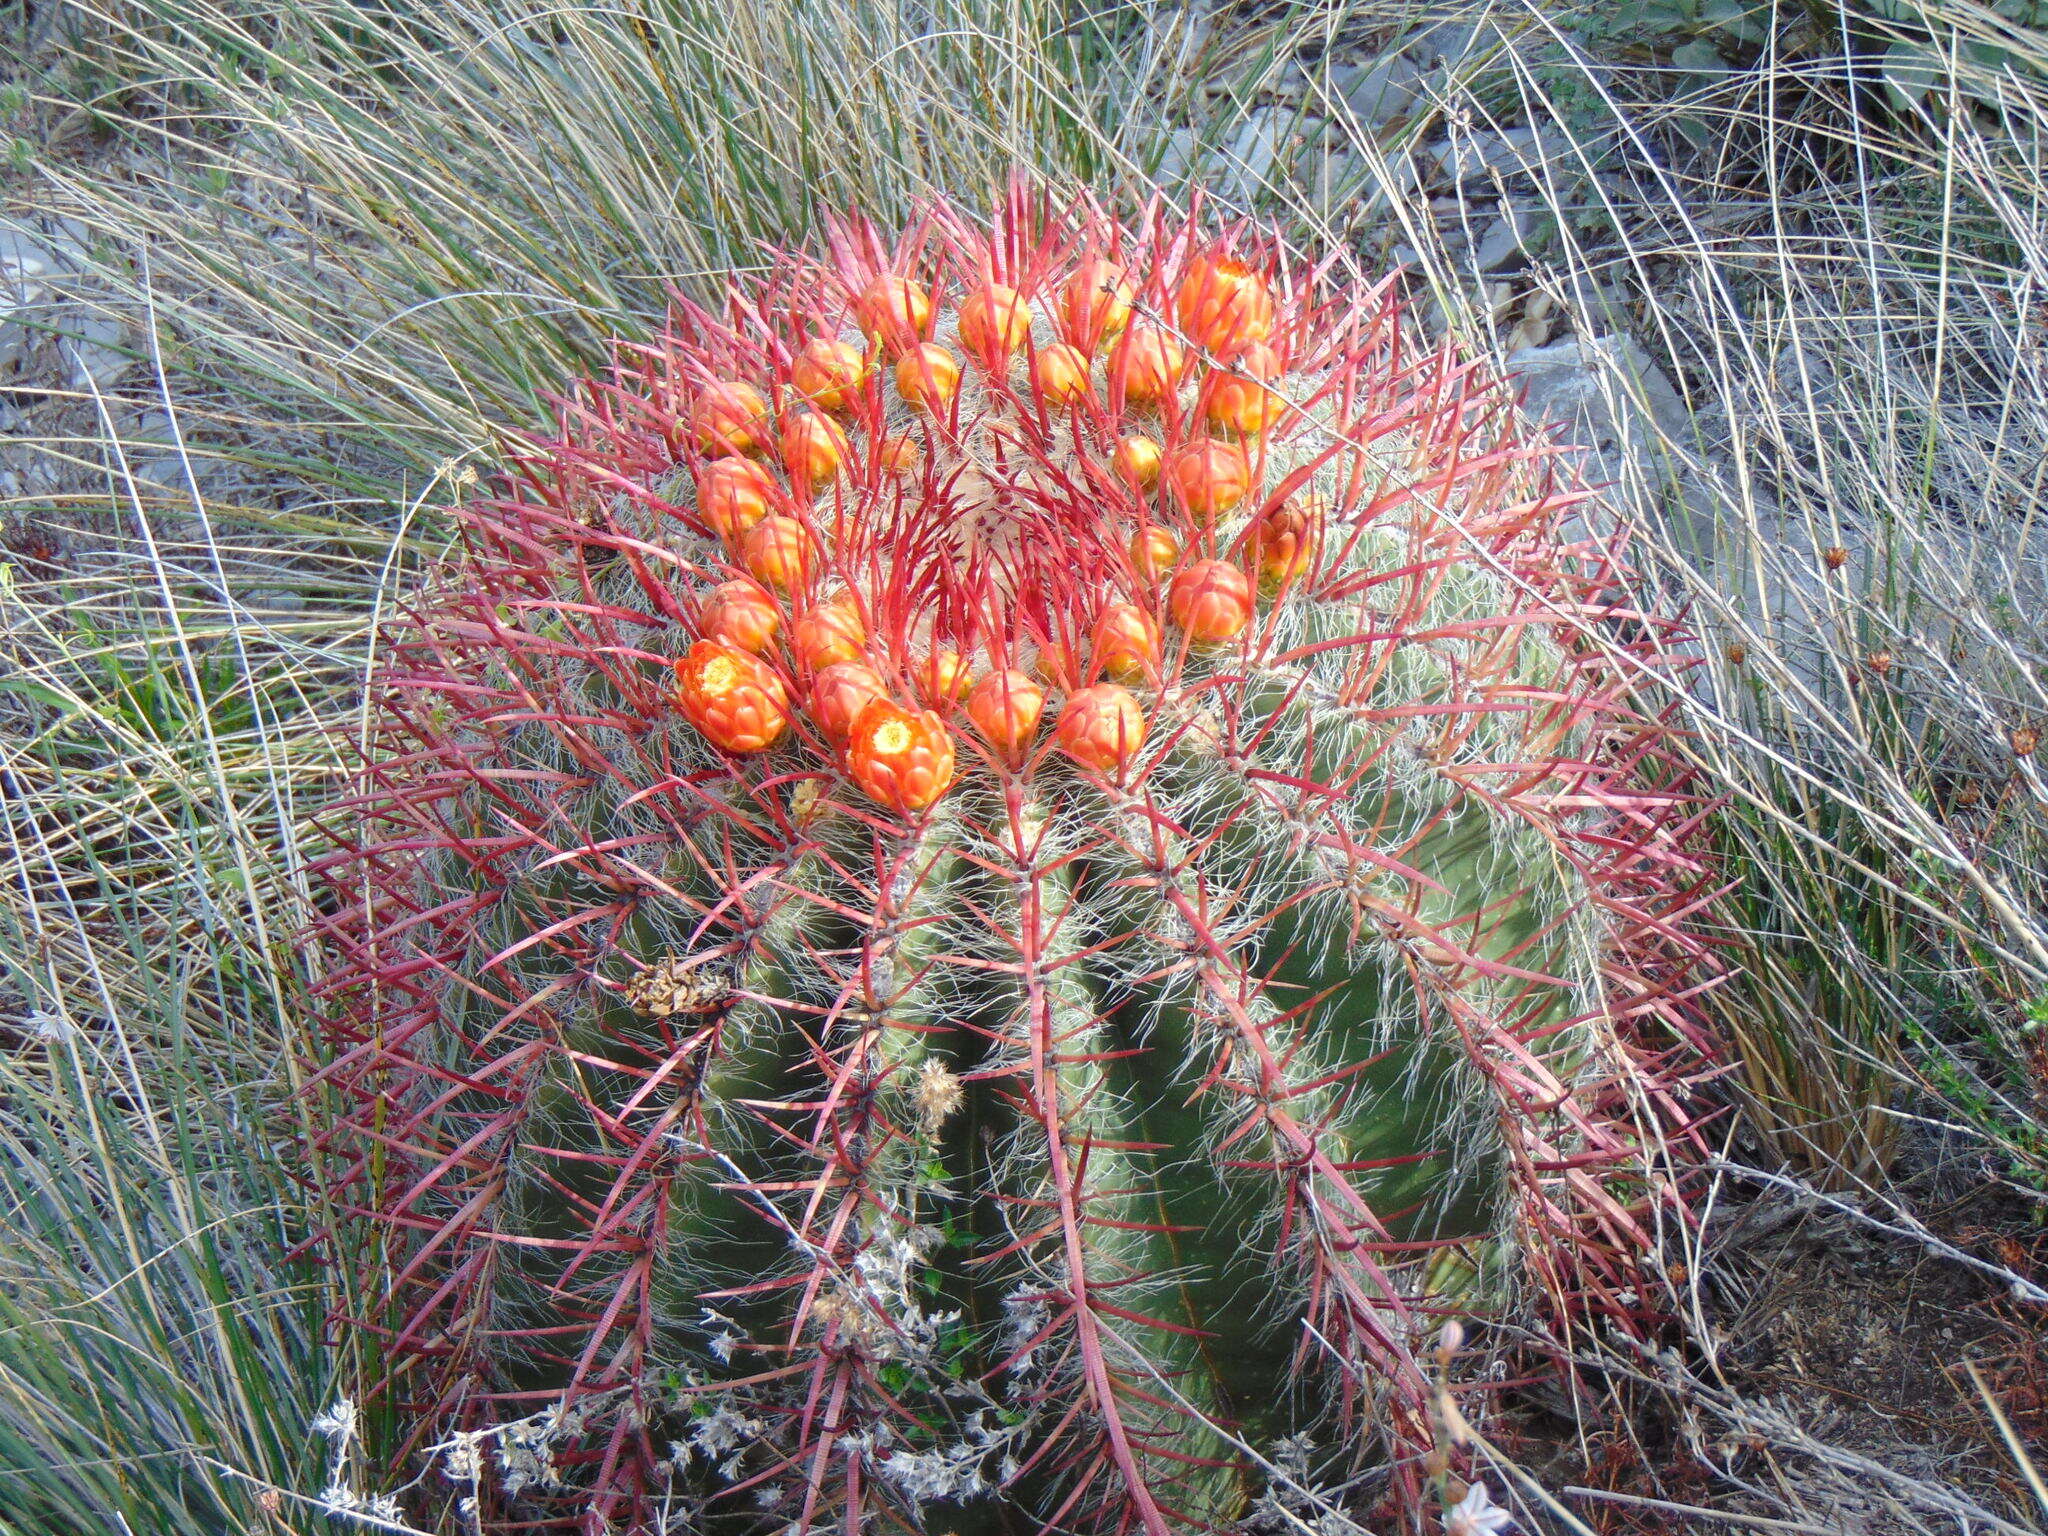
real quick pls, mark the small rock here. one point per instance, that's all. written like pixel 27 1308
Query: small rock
pixel 1380 90
pixel 1177 158
pixel 1254 155
pixel 96 348
pixel 1562 385
pixel 1505 241
pixel 1480 157
pixel 26 267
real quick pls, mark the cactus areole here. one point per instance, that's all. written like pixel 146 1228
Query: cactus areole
pixel 829 1034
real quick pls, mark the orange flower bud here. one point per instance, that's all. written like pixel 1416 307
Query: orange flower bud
pixel 733 495
pixel 1212 601
pixel 828 373
pixel 813 448
pixel 830 632
pixel 899 454
pixel 777 550
pixel 1127 643
pixel 1210 476
pixel 994 322
pixel 733 699
pixel 893 311
pixel 840 692
pixel 741 614
pixel 1137 460
pixel 1287 539
pixel 928 377
pixel 903 760
pixel 1224 305
pixel 1154 552
pixel 1101 727
pixel 941 678
pixel 1057 665
pixel 1063 376
pixel 1239 400
pixel 729 418
pixel 1095 303
pixel 1148 360
pixel 1005 707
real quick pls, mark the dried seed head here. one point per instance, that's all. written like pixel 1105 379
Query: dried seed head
pixel 1834 557
pixel 939 1095
pixel 675 985
pixel 1879 663
pixel 2025 738
pixel 1737 654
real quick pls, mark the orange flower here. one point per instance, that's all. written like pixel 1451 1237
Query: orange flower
pixel 1212 601
pixel 840 692
pixel 733 495
pixel 941 678
pixel 928 377
pixel 903 760
pixel 830 632
pixel 1056 664
pixel 777 550
pixel 733 699
pixel 1127 643
pixel 1101 727
pixel 828 373
pixel 1240 401
pixel 1287 538
pixel 994 322
pixel 899 454
pixel 1062 371
pixel 1005 707
pixel 1095 303
pixel 1211 476
pixel 1224 305
pixel 894 311
pixel 1148 360
pixel 813 448
pixel 1153 552
pixel 740 614
pixel 1138 460
pixel 729 418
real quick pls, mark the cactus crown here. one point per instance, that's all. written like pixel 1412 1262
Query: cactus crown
pixel 997 854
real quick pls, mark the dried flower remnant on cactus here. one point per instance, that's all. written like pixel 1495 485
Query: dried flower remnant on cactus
pixel 848 968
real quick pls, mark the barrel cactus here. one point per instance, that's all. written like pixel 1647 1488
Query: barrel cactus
pixel 990 887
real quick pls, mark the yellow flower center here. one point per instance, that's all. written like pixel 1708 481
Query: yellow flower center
pixel 892 738
pixel 720 674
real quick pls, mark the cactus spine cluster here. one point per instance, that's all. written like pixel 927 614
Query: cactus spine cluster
pixel 990 886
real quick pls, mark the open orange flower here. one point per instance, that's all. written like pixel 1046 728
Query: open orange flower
pixel 994 322
pixel 840 693
pixel 830 632
pixel 741 614
pixel 893 311
pixel 904 760
pixel 733 495
pixel 1127 643
pixel 1005 707
pixel 1212 601
pixel 1224 305
pixel 1101 727
pixel 1095 303
pixel 733 699
pixel 828 373
pixel 729 418
pixel 1210 476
